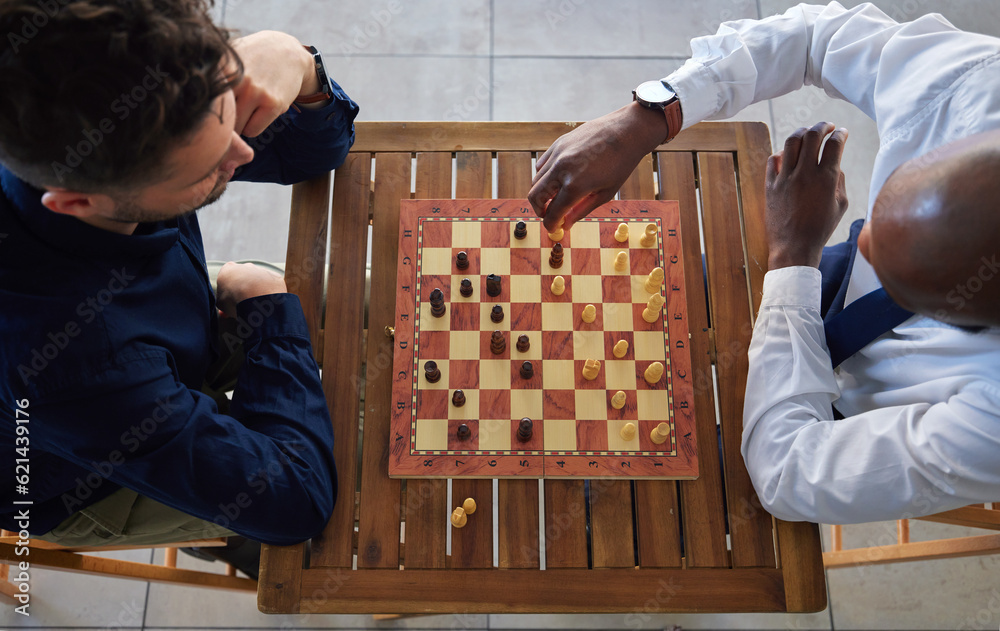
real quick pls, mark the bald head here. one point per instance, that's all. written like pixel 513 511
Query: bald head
pixel 934 233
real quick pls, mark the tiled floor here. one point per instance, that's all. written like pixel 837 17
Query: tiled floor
pixel 533 60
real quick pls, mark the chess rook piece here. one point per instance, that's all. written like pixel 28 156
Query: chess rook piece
pixel 523 343
pixel 621 261
pixel 618 400
pixel 589 314
pixel 620 349
pixel 458 399
pixel 654 280
pixel 469 506
pixel 558 285
pixel 628 431
pixel 462 260
pixel 437 303
pixel 465 288
pixel 660 433
pixel 463 432
pixel 652 311
pixel 527 370
pixel 648 239
pixel 520 230
pixel 590 369
pixel 497 314
pixel 653 373
pixel 524 429
pixel 556 257
pixel 621 234
pixel 497 343
pixel 493 286
pixel 458 518
pixel 431 372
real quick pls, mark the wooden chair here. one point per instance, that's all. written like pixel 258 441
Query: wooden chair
pixel 982 516
pixel 67 559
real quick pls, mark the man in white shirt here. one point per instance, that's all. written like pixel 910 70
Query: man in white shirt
pixel 921 402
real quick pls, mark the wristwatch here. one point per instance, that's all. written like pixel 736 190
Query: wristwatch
pixel 657 95
pixel 325 83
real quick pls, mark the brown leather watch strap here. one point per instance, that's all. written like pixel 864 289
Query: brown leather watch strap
pixel 313 98
pixel 675 120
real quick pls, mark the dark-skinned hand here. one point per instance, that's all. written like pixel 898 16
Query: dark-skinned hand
pixel 806 196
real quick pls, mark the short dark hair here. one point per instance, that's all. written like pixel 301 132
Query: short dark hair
pixel 94 93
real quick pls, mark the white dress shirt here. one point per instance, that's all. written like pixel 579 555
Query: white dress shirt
pixel 922 402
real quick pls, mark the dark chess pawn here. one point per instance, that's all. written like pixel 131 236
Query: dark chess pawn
pixel 497 314
pixel 465 288
pixel 523 343
pixel 493 286
pixel 458 399
pixel 524 430
pixel 527 370
pixel 463 431
pixel 497 343
pixel 431 372
pixel 520 230
pixel 556 258
pixel 437 303
pixel 462 260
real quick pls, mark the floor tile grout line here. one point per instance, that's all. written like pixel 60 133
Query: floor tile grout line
pixel 145 604
pixel 490 56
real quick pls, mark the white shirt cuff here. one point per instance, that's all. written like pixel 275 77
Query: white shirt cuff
pixel 798 286
pixel 698 91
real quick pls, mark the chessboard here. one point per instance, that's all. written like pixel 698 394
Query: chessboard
pixel 519 353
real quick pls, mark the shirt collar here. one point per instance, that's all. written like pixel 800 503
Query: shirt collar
pixel 73 236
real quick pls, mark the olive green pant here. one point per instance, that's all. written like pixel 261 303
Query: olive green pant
pixel 127 518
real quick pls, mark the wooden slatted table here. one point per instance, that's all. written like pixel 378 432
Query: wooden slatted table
pixel 590 546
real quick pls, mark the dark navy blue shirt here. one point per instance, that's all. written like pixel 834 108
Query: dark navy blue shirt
pixel 106 339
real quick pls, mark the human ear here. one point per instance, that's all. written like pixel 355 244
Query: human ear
pixel 74 204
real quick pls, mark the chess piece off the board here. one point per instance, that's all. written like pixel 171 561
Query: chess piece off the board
pixel 462 260
pixel 523 343
pixel 458 398
pixel 653 373
pixel 654 280
pixel 493 285
pixel 652 311
pixel 524 430
pixel 591 368
pixel 558 286
pixel 431 372
pixel 437 302
pixel 498 343
pixel 556 256
pixel 465 288
pixel 648 239
pixel 520 230
pixel 458 518
pixel 660 433
pixel 621 233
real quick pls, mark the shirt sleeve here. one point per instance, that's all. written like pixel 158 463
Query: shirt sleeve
pixel 266 471
pixel 302 143
pixel 888 463
pixel 887 69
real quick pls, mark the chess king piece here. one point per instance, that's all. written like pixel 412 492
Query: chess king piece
pixel 458 518
pixel 556 257
pixel 653 373
pixel 660 433
pixel 589 314
pixel 520 230
pixel 437 303
pixel 524 430
pixel 590 369
pixel 621 261
pixel 558 286
pixel 652 310
pixel 497 313
pixel 628 431
pixel 431 372
pixel 523 343
pixel 620 349
pixel 497 343
pixel 458 398
pixel 618 400
pixel 469 506
pixel 465 288
pixel 527 370
pixel 463 432
pixel 493 286
pixel 654 280
pixel 648 239
pixel 621 234
pixel 462 260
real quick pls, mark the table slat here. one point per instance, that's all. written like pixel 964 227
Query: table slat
pixel 427 500
pixel 345 315
pixel 306 253
pixel 750 527
pixel 280 584
pixel 378 525
pixel 472 546
pixel 565 524
pixel 612 538
pixel 702 513
pixel 517 524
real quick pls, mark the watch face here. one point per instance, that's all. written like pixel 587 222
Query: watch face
pixel 654 92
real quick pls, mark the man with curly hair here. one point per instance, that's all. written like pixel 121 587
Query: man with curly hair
pixel 119 119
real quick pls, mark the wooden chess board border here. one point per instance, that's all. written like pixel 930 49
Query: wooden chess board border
pixel 677 461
